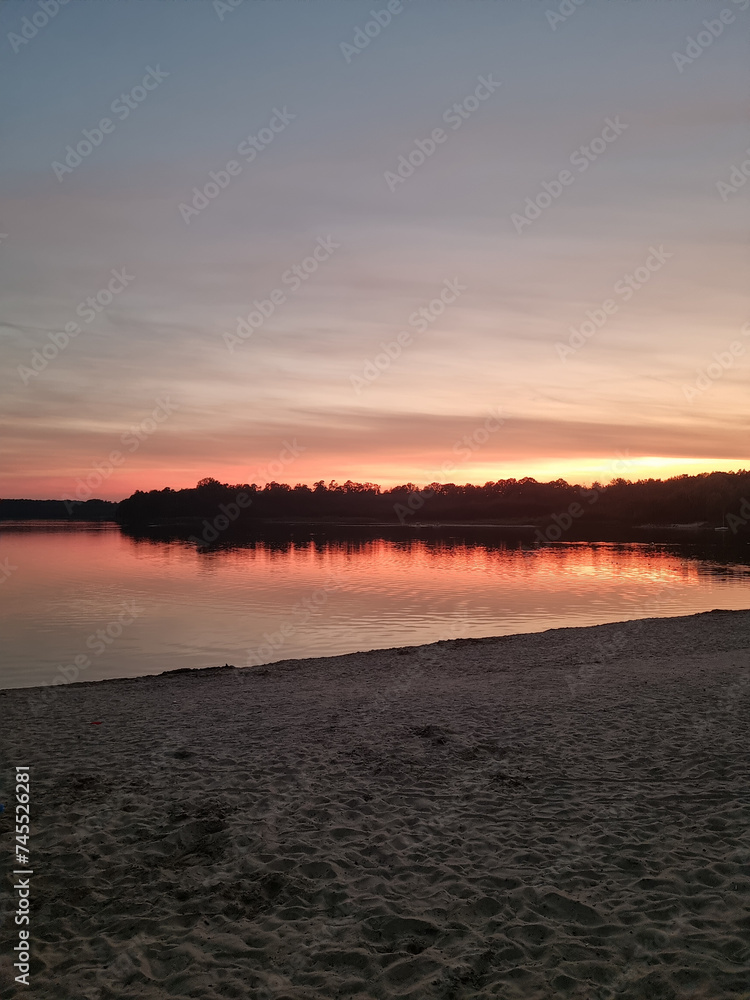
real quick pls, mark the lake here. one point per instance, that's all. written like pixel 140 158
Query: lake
pixel 89 602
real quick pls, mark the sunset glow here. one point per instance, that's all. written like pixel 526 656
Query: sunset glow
pixel 331 297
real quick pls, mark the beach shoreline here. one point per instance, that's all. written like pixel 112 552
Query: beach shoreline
pixel 553 814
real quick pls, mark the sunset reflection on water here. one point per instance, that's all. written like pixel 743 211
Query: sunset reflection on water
pixel 271 600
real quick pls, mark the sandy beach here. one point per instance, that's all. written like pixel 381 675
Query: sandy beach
pixel 564 814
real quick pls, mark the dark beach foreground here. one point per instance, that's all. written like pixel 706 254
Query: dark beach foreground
pixel 564 814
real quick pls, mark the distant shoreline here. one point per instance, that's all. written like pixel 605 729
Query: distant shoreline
pixel 193 522
pixel 711 501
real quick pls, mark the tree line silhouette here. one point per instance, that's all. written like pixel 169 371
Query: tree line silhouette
pixel 58 510
pixel 711 499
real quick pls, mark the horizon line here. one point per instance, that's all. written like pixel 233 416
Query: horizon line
pixel 413 487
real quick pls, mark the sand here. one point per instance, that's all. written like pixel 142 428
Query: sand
pixel 538 816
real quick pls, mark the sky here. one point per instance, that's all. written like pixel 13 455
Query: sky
pixel 293 240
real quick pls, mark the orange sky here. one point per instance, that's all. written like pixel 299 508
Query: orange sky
pixel 609 331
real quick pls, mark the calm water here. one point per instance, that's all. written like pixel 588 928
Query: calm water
pixel 132 607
